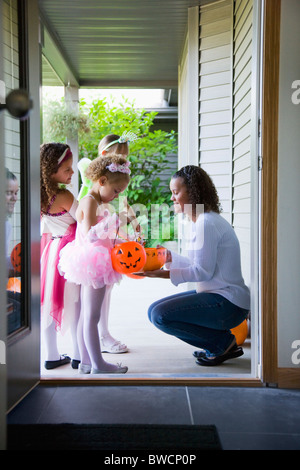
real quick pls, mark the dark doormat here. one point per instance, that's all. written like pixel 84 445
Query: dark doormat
pixel 114 437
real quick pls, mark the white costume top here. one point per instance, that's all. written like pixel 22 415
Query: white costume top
pixel 213 261
pixel 58 223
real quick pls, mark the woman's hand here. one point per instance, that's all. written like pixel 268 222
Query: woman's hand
pixel 162 273
pixel 168 255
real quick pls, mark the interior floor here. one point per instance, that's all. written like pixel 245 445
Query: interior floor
pixel 245 418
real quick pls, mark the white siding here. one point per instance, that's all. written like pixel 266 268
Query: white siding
pixel 183 109
pixel 215 92
pixel 241 131
pixel 225 66
pixel 187 90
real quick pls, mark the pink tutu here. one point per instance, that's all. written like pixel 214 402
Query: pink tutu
pixel 50 249
pixel 87 259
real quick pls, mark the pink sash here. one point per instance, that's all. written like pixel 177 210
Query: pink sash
pixel 57 297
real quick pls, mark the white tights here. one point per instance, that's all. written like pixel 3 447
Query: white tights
pixel 88 335
pixel 71 318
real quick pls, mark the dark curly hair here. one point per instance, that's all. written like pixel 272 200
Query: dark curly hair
pixel 49 156
pixel 200 188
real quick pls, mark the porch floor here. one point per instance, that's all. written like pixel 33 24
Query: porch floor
pixel 151 352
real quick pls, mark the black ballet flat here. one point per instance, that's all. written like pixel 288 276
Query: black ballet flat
pixel 235 351
pixel 75 363
pixel 64 359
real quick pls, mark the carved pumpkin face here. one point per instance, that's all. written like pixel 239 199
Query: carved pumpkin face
pixel 128 257
pixel 156 258
pixel 15 257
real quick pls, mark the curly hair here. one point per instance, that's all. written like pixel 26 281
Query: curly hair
pixel 200 188
pixel 98 168
pixel 115 149
pixel 49 156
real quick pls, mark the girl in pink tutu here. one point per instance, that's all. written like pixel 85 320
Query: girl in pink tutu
pixel 60 300
pixel 87 260
pixel 114 144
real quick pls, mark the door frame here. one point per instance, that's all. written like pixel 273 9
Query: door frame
pixel 270 116
pixel 255 378
pixel 270 63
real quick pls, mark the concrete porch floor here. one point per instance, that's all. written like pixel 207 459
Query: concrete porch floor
pixel 151 353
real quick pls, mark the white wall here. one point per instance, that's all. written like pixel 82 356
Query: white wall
pixel 215 97
pixel 289 187
pixel 187 95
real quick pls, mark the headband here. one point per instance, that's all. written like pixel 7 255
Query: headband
pixel 67 154
pixel 126 137
pixel 124 168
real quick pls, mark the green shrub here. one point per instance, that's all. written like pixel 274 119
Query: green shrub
pixel 148 154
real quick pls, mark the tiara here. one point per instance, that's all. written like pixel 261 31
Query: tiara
pixel 126 137
pixel 116 167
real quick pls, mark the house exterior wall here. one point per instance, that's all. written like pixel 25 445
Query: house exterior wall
pixel 242 159
pixel 227 127
pixel 223 128
pixel 188 122
pixel 215 97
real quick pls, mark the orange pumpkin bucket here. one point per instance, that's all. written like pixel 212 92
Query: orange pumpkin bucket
pixel 156 258
pixel 240 332
pixel 15 258
pixel 128 257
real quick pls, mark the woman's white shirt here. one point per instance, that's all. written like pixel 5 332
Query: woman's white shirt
pixel 213 261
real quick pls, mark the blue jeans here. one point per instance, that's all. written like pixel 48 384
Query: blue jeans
pixel 201 319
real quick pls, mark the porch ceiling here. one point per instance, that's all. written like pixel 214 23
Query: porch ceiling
pixel 119 43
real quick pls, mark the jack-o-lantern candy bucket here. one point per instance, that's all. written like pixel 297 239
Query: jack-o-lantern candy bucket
pixel 156 258
pixel 15 258
pixel 240 332
pixel 128 257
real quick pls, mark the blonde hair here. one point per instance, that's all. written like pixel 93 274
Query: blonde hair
pixel 115 149
pixel 98 168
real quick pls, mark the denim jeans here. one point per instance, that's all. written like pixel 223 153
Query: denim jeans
pixel 201 319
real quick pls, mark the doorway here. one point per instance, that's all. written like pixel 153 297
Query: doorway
pixel 152 354
pixel 238 207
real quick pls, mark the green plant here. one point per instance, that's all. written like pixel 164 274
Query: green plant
pixel 60 123
pixel 148 154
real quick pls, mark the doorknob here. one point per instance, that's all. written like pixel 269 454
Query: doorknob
pixel 18 104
